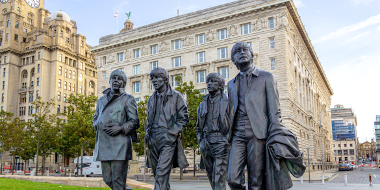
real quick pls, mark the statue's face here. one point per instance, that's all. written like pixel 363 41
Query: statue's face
pixel 116 82
pixel 158 82
pixel 212 85
pixel 242 55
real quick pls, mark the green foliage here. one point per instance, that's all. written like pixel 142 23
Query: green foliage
pixel 142 110
pixel 78 128
pixel 5 118
pixel 193 98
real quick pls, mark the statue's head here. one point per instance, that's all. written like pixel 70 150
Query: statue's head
pixel 159 77
pixel 241 53
pixel 215 81
pixel 118 79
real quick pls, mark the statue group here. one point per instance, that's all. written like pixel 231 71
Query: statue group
pixel 243 130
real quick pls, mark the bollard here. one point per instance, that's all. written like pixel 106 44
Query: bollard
pixel 48 173
pixel 85 174
pixel 345 179
pixel 370 180
pixel 323 179
pixel 301 180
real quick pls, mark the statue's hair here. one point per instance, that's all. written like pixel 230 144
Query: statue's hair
pixel 118 71
pixel 217 77
pixel 234 49
pixel 160 72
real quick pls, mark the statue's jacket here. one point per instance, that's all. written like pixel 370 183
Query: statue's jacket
pixel 120 110
pixel 224 117
pixel 177 117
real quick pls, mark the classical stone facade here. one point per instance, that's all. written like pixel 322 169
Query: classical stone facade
pixel 41 56
pixel 198 43
pixel 367 151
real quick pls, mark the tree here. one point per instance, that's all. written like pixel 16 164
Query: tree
pixel 142 110
pixel 27 148
pixel 193 99
pixel 13 138
pixel 43 130
pixel 79 123
pixel 5 118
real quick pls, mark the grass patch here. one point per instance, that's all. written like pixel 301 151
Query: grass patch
pixel 15 184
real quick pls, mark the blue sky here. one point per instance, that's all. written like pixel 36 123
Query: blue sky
pixel 344 33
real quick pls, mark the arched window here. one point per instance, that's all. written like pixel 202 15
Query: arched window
pixel 24 74
pixel 81 65
pixel 80 77
pixel 16 24
pixel 30 19
pixel 92 84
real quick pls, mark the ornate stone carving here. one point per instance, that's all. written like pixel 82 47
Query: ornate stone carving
pixel 111 58
pixel 144 50
pixel 233 29
pixel 210 35
pixel 282 20
pixel 188 40
pixel 127 54
pixel 164 46
pixel 260 24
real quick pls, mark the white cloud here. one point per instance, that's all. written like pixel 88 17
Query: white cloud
pixel 298 3
pixel 348 29
pixel 358 36
pixel 121 7
pixel 363 2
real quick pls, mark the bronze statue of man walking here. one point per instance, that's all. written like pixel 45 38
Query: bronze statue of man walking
pixel 115 122
pixel 167 116
pixel 213 131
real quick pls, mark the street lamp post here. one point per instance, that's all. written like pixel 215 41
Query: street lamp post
pixel 320 130
pixel 308 161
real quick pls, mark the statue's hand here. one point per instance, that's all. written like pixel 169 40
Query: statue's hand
pixel 112 130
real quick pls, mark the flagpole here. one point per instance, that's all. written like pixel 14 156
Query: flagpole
pixel 117 21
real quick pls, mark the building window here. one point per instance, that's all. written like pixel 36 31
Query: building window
pixel 8 24
pixel 64 85
pixel 60 70
pixel 153 49
pixel 245 29
pixel 37 94
pixel 250 44
pixel 222 34
pixel 38 69
pixel 271 23
pixel 137 53
pixel 176 44
pixel 80 89
pixel 174 82
pixel 136 87
pixel 65 73
pixel 81 65
pixel 201 76
pixel 273 64
pixel 22 111
pixel 59 96
pixel 224 71
pixel 3 84
pixel 4 72
pixel 69 87
pixel 58 108
pixel 70 74
pixel 222 53
pixel 30 111
pixel 80 77
pixel 350 145
pixel 201 57
pixel 104 75
pixel 39 55
pixel 202 91
pixel 74 75
pixel 60 57
pixel 16 24
pixel 271 43
pixel 30 19
pixel 200 39
pixel 1 42
pixel 120 56
pixel 225 91
pixel 38 81
pixel 2 97
pixel 105 60
pixel 176 62
pixel 64 97
pixel 59 83
pixel 153 65
pixel 136 69
pixel 5 59
pixel 73 87
pixel 22 98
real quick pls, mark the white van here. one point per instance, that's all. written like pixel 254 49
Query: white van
pixel 90 167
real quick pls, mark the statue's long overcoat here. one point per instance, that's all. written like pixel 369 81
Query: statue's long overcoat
pixel 121 110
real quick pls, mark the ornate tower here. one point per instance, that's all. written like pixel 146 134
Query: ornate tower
pixel 128 25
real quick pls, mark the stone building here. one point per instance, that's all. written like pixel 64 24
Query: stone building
pixel 344 131
pixel 42 55
pixel 195 44
pixel 377 136
pixel 367 151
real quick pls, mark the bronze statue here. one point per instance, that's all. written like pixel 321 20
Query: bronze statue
pixel 115 122
pixel 258 135
pixel 167 116
pixel 213 131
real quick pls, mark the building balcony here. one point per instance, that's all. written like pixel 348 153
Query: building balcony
pixel 31 88
pixel 22 90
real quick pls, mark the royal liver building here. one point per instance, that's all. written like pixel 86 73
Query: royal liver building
pixel 195 44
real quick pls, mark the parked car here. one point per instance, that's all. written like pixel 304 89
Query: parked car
pixel 345 167
pixel 352 166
